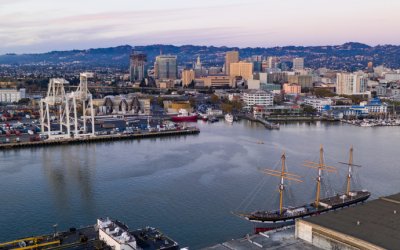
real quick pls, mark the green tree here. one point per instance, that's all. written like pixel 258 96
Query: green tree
pixel 321 92
pixel 160 101
pixel 214 98
pixel 307 109
pixel 227 107
pixel 237 105
pixel 192 101
pixel 24 101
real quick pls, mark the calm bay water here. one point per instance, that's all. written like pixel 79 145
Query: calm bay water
pixel 186 186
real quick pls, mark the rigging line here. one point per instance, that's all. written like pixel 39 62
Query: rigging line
pixel 291 196
pixel 254 196
pixel 254 191
pixel 250 198
pixel 274 199
pixel 377 194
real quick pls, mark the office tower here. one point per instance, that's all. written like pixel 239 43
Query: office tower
pixel 243 69
pixel 230 57
pixel 188 75
pixel 137 68
pixel 272 62
pixel 256 58
pixel 199 71
pixel 298 63
pixel 197 65
pixel 166 67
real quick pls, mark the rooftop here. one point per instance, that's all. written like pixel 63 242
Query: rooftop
pixel 282 239
pixel 151 239
pixel 377 221
pixel 116 230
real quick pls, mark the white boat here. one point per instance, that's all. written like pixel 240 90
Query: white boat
pixel 366 124
pixel 229 118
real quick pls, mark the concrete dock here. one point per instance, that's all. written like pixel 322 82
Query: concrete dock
pixel 100 138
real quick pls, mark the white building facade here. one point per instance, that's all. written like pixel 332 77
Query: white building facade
pixel 11 95
pixel 298 63
pixel 351 84
pixel 257 97
pixel 116 235
pixel 318 103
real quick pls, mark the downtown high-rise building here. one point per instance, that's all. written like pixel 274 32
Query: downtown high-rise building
pixel 230 57
pixel 351 83
pixel 137 68
pixel 188 75
pixel 166 67
pixel 243 69
pixel 273 62
pixel 298 63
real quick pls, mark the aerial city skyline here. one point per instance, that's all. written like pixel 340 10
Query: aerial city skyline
pixel 38 26
pixel 213 124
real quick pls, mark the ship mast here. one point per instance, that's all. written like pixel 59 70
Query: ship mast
pixel 283 175
pixel 321 167
pixel 319 177
pixel 350 170
pixel 281 186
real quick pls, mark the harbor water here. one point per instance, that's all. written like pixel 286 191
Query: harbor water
pixel 188 185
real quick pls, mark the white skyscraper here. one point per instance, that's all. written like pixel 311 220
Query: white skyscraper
pixel 298 63
pixel 350 83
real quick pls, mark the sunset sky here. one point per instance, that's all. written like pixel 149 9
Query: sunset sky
pixel 44 25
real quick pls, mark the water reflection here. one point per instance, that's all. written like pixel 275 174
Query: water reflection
pixel 187 185
pixel 69 173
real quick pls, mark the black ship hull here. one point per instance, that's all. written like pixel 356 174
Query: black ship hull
pixel 272 222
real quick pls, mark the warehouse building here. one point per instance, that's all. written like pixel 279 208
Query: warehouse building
pixel 372 225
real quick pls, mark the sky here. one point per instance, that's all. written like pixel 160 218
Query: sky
pixel 32 26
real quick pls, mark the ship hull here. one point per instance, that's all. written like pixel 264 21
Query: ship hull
pixel 192 118
pixel 271 223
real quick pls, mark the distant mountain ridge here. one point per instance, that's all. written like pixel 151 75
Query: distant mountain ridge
pixel 349 56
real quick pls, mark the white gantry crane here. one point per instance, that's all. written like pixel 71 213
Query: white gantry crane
pixel 73 110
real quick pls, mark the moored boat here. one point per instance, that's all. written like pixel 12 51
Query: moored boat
pixel 229 118
pixel 287 215
pixel 184 116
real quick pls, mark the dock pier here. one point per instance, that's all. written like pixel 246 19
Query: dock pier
pixel 99 138
pixel 267 124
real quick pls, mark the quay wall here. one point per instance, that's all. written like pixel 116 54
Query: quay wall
pixel 99 138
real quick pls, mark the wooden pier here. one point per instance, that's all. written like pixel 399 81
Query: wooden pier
pixel 99 138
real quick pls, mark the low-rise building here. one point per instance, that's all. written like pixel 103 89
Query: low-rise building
pixel 257 97
pixel 166 84
pixel 291 88
pixel 218 81
pixel 11 95
pixel 261 111
pixel 123 105
pixel 318 103
pixel 375 106
pixel 173 107
pixel 234 97
pixel 116 235
pixel 253 84
pixel 271 87
pixel 373 225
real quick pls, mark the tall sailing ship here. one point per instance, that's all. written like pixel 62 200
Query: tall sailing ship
pixel 287 215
